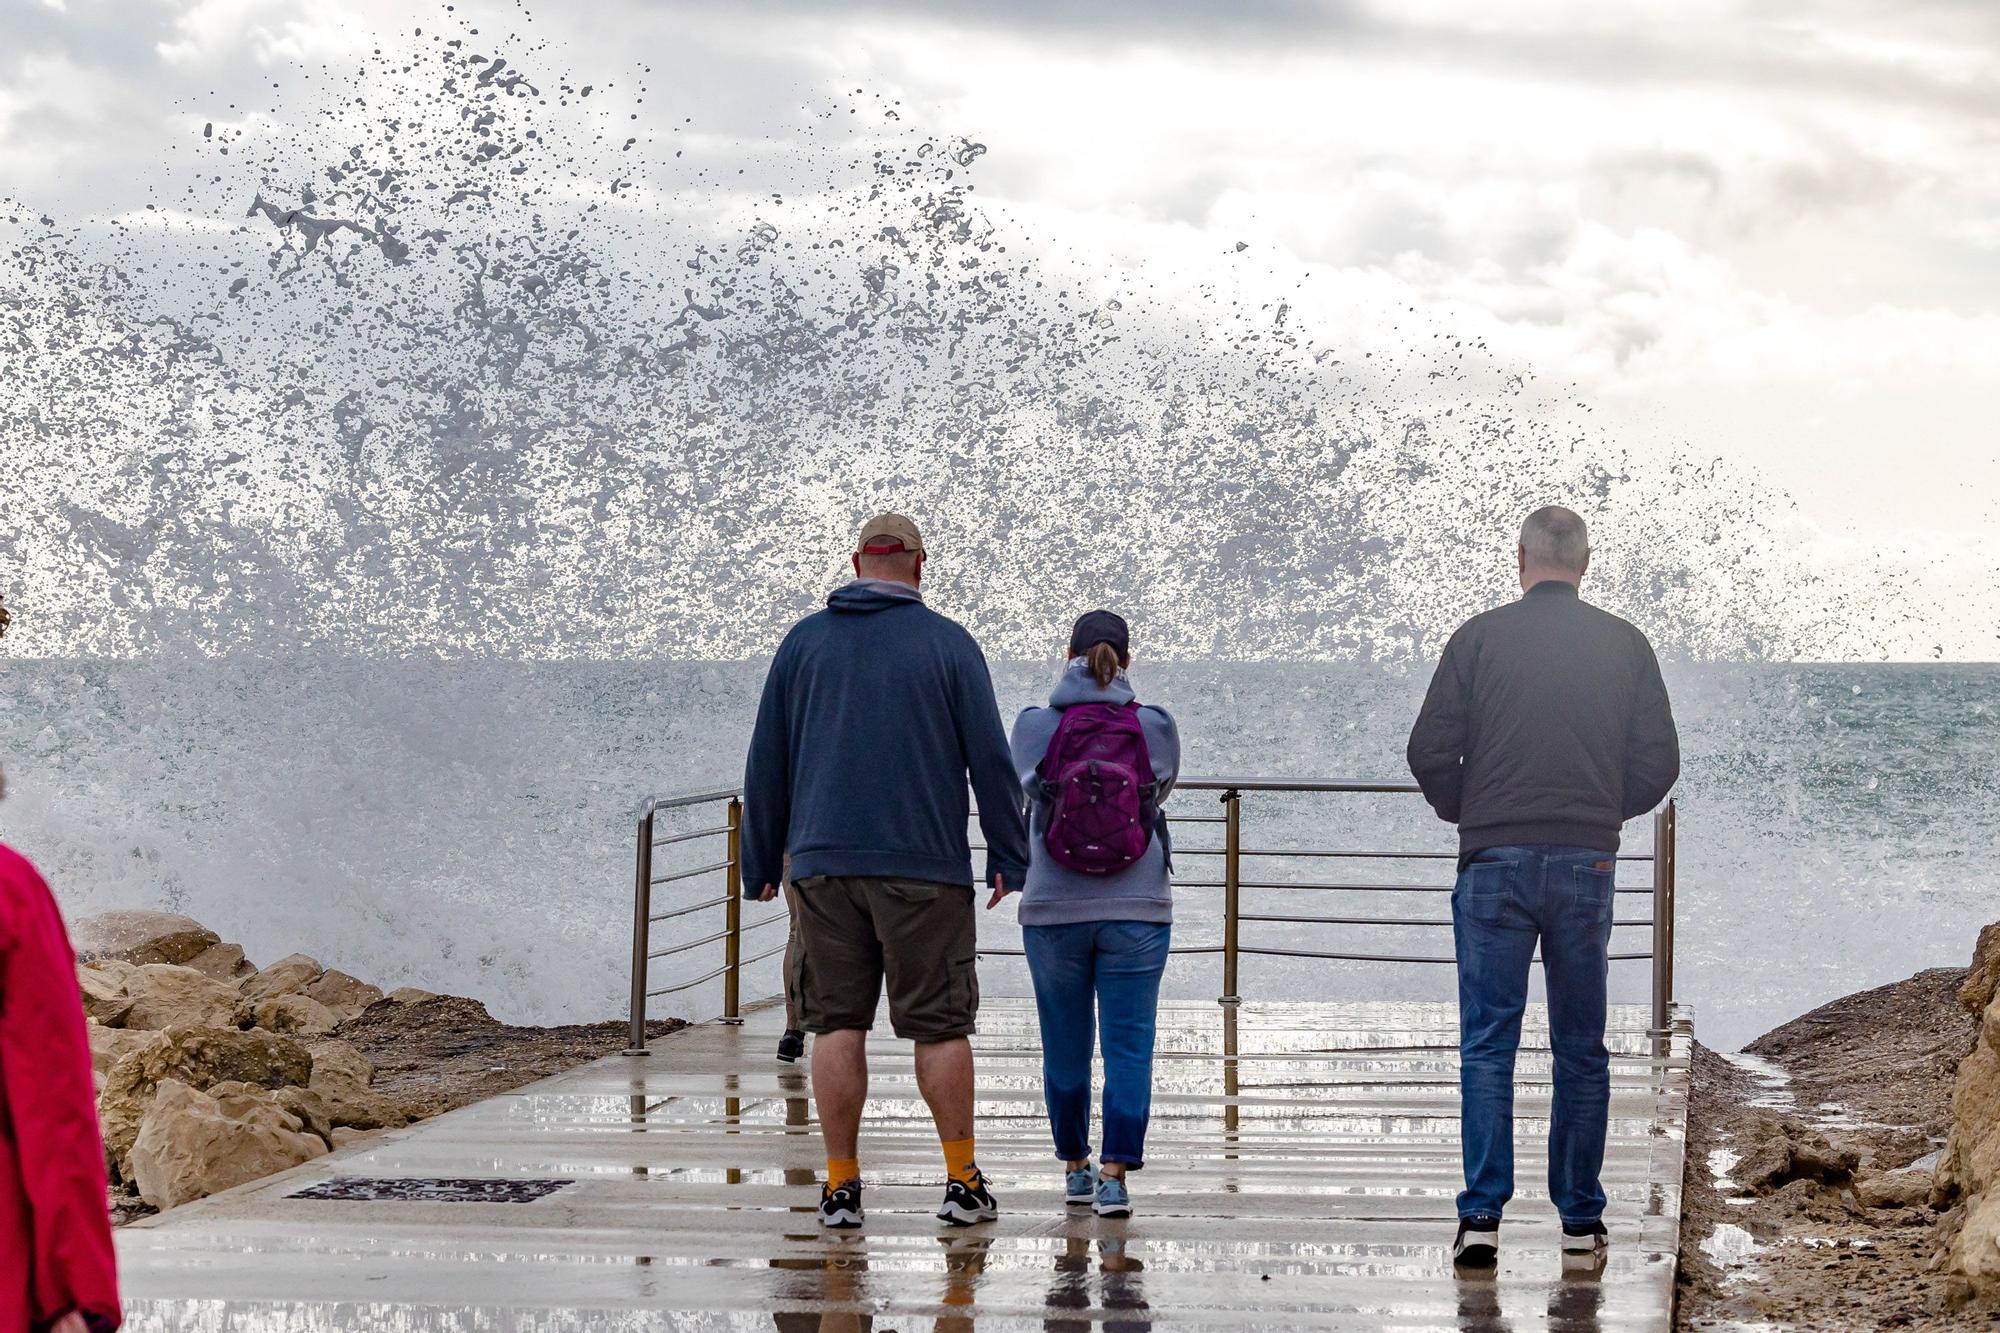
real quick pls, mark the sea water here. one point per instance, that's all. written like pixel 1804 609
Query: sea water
pixel 469 826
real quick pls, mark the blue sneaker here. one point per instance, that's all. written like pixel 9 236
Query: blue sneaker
pixel 1080 1185
pixel 1112 1200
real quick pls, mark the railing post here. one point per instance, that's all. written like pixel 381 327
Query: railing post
pixel 1663 917
pixel 1232 844
pixel 642 930
pixel 732 978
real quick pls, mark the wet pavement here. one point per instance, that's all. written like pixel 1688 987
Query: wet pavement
pixel 1302 1165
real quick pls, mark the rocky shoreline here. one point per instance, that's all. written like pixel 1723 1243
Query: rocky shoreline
pixel 213 1072
pixel 1843 1171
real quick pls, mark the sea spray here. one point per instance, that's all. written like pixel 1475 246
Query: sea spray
pixel 448 356
pixel 376 497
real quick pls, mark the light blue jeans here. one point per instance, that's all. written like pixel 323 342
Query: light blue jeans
pixel 1508 898
pixel 1104 975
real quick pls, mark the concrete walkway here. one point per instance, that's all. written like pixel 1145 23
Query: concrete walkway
pixel 1304 1182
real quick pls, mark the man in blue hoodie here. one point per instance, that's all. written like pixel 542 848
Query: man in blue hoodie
pixel 874 713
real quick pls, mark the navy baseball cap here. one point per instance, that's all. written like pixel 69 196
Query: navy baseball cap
pixel 1095 627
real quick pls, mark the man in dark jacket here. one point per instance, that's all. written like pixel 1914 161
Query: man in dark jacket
pixel 1546 728
pixel 875 712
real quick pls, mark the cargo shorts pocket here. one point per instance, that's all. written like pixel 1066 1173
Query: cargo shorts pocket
pixel 1592 893
pixel 965 991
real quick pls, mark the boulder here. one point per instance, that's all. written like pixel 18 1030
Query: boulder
pixel 1778 1150
pixel 340 1063
pixel 1969 1166
pixel 411 995
pixel 345 995
pixel 1984 979
pixel 106 997
pixel 194 1143
pixel 342 1136
pixel 351 1107
pixel 298 1015
pixel 199 1058
pixel 166 996
pixel 1907 1188
pixel 223 962
pixel 110 1045
pixel 139 937
pixel 287 976
pixel 309 1109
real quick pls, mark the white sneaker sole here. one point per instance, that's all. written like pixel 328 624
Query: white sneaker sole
pixel 1111 1209
pixel 841 1219
pixel 1080 1200
pixel 1477 1249
pixel 953 1215
pixel 1583 1251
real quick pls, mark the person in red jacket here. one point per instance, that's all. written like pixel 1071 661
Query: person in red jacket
pixel 57 1273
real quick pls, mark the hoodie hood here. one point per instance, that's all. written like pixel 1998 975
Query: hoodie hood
pixel 865 595
pixel 1078 686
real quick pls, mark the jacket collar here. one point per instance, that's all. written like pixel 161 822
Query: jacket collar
pixel 1552 588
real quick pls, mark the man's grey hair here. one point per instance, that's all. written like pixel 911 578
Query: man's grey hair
pixel 1555 538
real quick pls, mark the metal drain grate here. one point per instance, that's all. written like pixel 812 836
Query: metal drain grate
pixel 422 1189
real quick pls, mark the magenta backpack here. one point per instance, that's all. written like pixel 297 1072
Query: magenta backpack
pixel 1098 780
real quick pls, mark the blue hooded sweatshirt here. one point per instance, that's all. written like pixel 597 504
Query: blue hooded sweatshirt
pixel 1055 894
pixel 874 712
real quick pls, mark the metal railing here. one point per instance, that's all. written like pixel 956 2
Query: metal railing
pixel 1232 852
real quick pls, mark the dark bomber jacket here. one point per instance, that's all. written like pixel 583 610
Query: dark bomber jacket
pixel 1546 722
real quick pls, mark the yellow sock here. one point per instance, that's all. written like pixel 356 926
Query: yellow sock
pixel 841 1170
pixel 958 1163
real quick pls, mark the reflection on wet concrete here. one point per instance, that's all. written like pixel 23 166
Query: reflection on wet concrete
pixel 1303 1177
pixel 1119 1289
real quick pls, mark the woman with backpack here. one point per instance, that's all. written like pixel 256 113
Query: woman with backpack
pixel 1096 910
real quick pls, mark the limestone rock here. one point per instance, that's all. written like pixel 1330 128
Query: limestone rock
pixel 287 976
pixel 345 995
pixel 1969 1166
pixel 1778 1150
pixel 199 1058
pixel 139 937
pixel 340 1063
pixel 349 1106
pixel 165 996
pixel 342 1136
pixel 309 1109
pixel 411 995
pixel 106 997
pixel 110 1045
pixel 1906 1188
pixel 299 1015
pixel 223 962
pixel 193 1143
pixel 1984 979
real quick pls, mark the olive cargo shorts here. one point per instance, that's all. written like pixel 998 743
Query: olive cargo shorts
pixel 857 931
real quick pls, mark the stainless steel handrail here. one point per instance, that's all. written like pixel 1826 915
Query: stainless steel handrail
pixel 1232 948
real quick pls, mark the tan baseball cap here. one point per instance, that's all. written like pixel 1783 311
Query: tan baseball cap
pixel 888 532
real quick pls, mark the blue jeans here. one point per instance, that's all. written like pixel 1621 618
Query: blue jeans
pixel 1098 974
pixel 1505 900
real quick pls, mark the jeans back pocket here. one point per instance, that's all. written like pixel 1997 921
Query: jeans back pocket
pixel 1484 890
pixel 1592 892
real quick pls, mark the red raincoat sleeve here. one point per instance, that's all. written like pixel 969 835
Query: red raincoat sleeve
pixel 48 1111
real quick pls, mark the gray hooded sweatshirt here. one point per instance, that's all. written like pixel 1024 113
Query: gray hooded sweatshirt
pixel 1054 894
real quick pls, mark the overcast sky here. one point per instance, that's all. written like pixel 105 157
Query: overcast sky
pixel 1766 230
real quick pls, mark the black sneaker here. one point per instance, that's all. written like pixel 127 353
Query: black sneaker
pixel 1584 1245
pixel 1478 1242
pixel 966 1206
pixel 791 1046
pixel 840 1208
